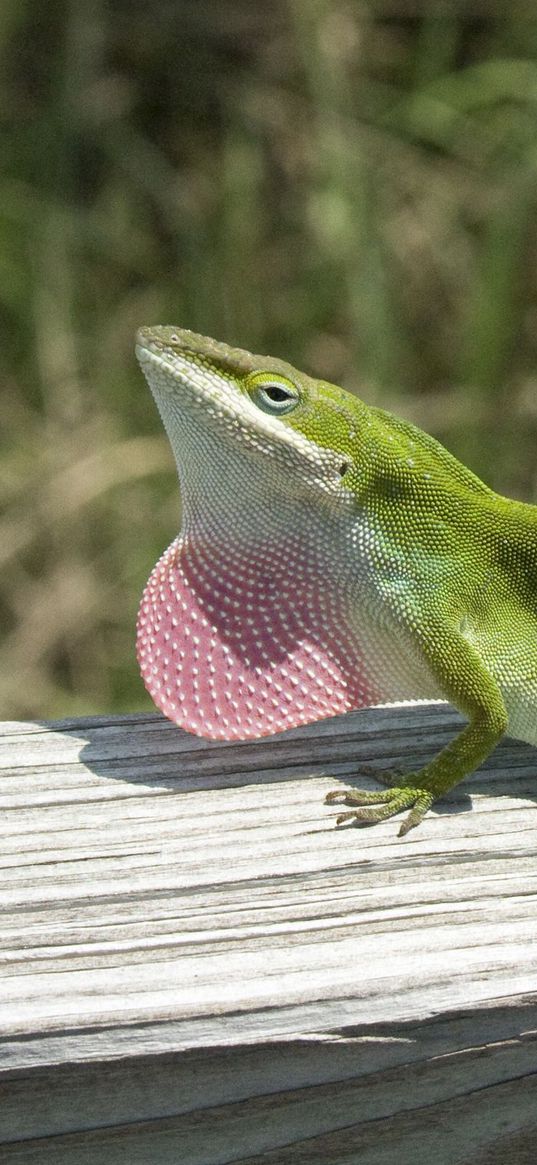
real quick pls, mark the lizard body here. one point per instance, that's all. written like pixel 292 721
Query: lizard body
pixel 331 556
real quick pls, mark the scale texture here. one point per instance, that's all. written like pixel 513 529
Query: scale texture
pixel 256 618
pixel 330 557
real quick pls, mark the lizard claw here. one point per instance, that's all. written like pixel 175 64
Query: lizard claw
pixel 375 807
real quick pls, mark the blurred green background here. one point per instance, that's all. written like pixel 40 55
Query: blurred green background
pixel 349 185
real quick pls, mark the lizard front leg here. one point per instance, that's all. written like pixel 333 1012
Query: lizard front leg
pixel 470 686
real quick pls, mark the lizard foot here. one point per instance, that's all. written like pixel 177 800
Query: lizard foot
pixel 376 807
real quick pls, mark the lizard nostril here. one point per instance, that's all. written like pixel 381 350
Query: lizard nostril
pixel 345 465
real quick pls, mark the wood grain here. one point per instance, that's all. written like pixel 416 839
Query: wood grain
pixel 197 966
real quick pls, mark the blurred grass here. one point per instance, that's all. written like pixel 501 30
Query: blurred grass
pixel 349 185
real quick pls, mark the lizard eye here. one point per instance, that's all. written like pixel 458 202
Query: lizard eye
pixel 275 396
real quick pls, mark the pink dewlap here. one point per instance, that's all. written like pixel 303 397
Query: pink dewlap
pixel 231 649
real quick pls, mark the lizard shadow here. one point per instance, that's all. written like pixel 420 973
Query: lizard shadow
pixel 151 753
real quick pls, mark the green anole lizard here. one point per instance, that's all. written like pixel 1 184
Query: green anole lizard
pixel 331 556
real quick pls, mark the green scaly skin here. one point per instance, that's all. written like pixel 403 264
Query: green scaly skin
pixel 438 572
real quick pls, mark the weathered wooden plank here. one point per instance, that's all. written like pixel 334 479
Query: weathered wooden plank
pixel 195 965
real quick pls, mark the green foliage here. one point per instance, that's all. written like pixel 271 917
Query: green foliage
pixel 342 184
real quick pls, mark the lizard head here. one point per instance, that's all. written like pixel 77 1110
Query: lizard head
pixel 303 433
pixel 242 627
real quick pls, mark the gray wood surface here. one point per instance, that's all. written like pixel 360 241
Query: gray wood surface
pixel 197 966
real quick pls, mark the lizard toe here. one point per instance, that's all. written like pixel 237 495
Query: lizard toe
pixel 375 807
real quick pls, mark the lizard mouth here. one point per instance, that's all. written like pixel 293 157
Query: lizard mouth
pixel 154 358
